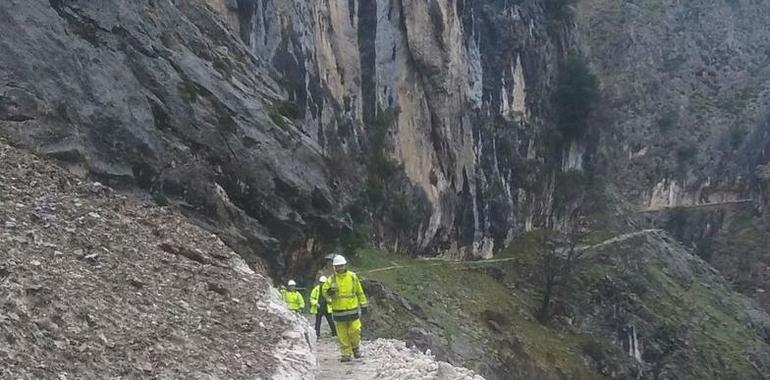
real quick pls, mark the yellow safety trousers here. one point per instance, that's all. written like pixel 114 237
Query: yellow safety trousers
pixel 348 336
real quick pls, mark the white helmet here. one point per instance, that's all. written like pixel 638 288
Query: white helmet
pixel 339 260
pixel 322 279
pixel 292 283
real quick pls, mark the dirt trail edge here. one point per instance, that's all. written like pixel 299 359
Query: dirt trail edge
pixel 385 359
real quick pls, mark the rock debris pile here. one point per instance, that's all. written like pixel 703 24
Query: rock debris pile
pixel 94 284
pixel 387 359
pixel 396 361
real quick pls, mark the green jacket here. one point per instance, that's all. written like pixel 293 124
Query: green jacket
pixel 315 297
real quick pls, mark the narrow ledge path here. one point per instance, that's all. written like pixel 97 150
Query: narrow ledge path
pixel 385 359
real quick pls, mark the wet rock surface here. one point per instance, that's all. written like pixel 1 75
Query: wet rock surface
pixel 88 291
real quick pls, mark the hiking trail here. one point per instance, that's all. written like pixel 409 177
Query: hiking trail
pixel 441 261
pixel 385 359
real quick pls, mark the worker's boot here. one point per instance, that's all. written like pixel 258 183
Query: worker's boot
pixel 345 359
pixel 357 353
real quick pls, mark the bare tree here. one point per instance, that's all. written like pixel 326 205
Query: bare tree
pixel 560 257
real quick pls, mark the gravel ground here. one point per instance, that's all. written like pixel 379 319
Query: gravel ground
pixel 97 285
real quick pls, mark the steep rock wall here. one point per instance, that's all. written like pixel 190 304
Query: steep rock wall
pixel 458 89
pixel 164 97
pixel 271 121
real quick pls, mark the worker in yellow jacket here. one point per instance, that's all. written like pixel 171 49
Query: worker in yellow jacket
pixel 346 295
pixel 293 298
pixel 320 307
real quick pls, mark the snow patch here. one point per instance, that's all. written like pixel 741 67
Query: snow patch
pixel 294 353
pixel 386 359
pixel 394 361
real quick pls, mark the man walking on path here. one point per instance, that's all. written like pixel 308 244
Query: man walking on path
pixel 343 290
pixel 293 298
pixel 320 307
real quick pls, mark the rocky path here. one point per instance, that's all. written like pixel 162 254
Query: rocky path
pixel 699 205
pixel 624 237
pixel 330 367
pixel 386 359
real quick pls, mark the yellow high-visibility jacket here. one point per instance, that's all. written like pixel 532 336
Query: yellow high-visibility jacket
pixel 294 300
pixel 315 296
pixel 345 294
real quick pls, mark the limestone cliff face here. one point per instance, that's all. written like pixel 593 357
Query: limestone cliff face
pixel 458 89
pixel 271 122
